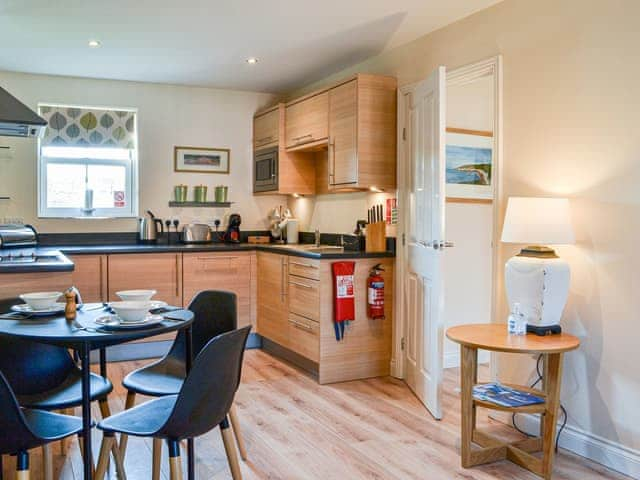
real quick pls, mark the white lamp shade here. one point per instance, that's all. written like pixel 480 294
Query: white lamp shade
pixel 538 221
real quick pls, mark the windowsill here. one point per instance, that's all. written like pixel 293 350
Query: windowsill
pixel 56 217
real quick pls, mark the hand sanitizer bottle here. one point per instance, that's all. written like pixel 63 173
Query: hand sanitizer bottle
pixel 517 324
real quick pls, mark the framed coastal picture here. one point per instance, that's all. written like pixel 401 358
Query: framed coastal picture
pixel 201 160
pixel 469 157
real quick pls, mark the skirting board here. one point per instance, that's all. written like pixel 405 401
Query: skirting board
pixel 605 452
pixel 144 350
pixel 452 359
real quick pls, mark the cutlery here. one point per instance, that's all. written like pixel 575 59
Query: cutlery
pixel 15 316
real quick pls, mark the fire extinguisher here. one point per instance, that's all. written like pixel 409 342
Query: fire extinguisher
pixel 375 293
pixel 343 296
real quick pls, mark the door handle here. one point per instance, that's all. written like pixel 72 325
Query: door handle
pixel 442 244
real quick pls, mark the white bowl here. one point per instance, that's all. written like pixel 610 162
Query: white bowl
pixel 40 300
pixel 131 311
pixel 136 295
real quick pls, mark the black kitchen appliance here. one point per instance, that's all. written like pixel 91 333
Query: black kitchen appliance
pixel 265 170
pixel 232 234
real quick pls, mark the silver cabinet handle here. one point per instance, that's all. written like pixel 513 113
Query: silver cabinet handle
pixel 222 257
pixel 301 325
pixel 177 275
pixel 298 139
pixel 306 265
pixel 297 284
pixel 282 282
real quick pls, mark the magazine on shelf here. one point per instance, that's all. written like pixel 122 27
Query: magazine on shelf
pixel 505 396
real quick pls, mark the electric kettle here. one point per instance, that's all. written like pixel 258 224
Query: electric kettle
pixel 148 228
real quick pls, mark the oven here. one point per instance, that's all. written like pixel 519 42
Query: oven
pixel 265 170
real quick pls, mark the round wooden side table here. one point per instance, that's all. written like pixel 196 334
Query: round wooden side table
pixel 494 337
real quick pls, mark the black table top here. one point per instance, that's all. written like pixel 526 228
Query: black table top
pixel 56 330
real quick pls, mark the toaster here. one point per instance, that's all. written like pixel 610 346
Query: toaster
pixel 196 233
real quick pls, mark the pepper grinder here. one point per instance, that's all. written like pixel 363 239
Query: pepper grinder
pixel 70 309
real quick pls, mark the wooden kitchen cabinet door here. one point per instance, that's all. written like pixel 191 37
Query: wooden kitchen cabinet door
pixel 273 306
pixel 157 271
pixel 266 128
pixel 89 276
pixel 343 152
pixel 307 121
pixel 220 271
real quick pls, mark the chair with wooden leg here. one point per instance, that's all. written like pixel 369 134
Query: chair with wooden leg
pixel 203 402
pixel 29 429
pixel 46 377
pixel 215 312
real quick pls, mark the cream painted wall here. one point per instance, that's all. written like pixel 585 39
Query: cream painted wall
pixel 167 116
pixel 468 266
pixel 571 102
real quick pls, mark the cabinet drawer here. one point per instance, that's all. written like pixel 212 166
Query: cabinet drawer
pixel 307 121
pixel 304 337
pixel 304 267
pixel 220 271
pixel 304 297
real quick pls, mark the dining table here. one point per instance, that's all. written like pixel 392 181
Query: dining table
pixel 83 334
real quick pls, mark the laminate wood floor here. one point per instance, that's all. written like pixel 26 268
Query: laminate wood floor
pixel 297 429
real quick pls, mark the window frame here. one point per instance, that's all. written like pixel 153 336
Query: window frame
pixel 131 187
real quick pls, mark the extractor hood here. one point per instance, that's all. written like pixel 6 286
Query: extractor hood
pixel 18 120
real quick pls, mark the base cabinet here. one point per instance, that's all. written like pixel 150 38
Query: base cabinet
pixel 89 276
pixel 220 271
pixel 14 284
pixel 273 304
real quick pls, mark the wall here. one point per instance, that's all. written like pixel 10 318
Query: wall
pixel 167 116
pixel 468 266
pixel 571 101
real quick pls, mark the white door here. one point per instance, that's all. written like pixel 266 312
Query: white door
pixel 424 159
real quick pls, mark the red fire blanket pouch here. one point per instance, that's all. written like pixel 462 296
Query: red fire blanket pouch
pixel 344 309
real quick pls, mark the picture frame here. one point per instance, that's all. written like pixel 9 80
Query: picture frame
pixel 469 164
pixel 201 159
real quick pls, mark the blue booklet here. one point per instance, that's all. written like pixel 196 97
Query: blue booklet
pixel 505 396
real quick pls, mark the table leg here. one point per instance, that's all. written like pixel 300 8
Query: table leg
pixel 103 362
pixel 191 455
pixel 553 378
pixel 86 411
pixel 468 378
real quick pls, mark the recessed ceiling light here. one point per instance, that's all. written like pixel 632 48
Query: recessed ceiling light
pixel 94 43
pixel 252 60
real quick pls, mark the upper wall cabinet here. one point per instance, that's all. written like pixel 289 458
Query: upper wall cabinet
pixel 265 129
pixel 307 121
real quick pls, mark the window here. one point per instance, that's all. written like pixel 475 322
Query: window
pixel 88 163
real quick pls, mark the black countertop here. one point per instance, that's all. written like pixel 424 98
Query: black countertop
pixel 63 263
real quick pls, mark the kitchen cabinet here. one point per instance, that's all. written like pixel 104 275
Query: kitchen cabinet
pixel 304 337
pixel 295 172
pixel 343 151
pixel 307 121
pixel 158 271
pixel 304 297
pixel 273 305
pixel 229 271
pixel 89 276
pixel 266 128
pixel 14 284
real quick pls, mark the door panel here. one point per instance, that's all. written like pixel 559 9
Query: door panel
pixel 307 121
pixel 343 158
pixel 90 277
pixel 424 231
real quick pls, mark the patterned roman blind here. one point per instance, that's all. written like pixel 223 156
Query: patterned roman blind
pixel 88 127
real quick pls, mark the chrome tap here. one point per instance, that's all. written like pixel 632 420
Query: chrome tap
pixel 317 235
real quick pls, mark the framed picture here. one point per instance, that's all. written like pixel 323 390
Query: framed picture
pixel 469 157
pixel 201 160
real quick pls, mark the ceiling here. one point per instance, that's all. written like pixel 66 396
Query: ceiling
pixel 205 43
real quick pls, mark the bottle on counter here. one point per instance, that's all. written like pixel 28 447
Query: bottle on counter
pixel 517 323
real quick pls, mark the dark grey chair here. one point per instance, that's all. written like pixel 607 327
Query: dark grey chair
pixel 215 312
pixel 203 402
pixel 24 429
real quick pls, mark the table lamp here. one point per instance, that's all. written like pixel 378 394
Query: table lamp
pixel 537 278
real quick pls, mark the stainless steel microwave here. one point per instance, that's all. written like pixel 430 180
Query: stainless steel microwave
pixel 265 170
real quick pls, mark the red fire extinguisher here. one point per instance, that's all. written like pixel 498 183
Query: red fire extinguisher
pixel 375 293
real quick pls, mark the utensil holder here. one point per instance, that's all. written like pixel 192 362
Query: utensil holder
pixel 376 237
pixel 200 193
pixel 180 193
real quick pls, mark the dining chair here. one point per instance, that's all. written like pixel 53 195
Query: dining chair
pixel 204 400
pixel 24 429
pixel 215 312
pixel 45 377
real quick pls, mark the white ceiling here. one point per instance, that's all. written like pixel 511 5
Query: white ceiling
pixel 205 43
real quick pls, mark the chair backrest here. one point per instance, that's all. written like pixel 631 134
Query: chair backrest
pixel 16 436
pixel 32 367
pixel 207 392
pixel 215 312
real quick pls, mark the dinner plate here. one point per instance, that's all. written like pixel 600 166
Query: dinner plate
pixel 113 321
pixel 55 309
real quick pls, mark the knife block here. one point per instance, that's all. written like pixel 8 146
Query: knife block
pixel 376 238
